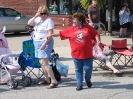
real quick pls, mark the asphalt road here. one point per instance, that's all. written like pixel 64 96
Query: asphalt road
pixel 103 88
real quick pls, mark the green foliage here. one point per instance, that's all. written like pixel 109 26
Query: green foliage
pixel 101 3
pixel 75 1
pixel 86 3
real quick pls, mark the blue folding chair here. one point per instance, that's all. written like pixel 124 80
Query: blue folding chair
pixel 33 63
pixel 30 61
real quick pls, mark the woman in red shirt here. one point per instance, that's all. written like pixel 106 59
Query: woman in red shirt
pixel 80 36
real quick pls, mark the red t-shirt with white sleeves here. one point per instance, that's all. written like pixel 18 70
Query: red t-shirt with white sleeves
pixel 80 40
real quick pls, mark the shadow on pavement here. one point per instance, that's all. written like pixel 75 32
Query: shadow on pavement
pixel 112 85
pixel 17 34
pixel 64 59
pixel 3 90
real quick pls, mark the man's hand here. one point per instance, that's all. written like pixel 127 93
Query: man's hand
pixel 91 24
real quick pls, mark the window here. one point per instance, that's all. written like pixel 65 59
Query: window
pixel 53 6
pixel 11 12
pixel 59 6
pixel 75 4
pixel 64 6
pixel 76 7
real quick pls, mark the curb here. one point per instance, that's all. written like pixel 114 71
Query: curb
pixel 126 72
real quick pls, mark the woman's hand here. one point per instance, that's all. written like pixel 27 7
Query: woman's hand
pixel 37 15
pixel 31 21
pixel 43 46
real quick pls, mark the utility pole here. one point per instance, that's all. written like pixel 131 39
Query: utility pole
pixel 110 17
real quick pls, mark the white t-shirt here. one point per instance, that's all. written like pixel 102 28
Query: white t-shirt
pixel 41 28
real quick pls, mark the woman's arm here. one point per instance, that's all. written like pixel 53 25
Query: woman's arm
pixel 98 39
pixel 55 34
pixel 31 21
pixel 64 34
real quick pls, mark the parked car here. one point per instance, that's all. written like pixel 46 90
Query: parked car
pixel 13 20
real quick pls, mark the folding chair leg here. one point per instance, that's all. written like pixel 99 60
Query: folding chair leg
pixel 37 76
pixel 130 60
pixel 116 60
pixel 100 65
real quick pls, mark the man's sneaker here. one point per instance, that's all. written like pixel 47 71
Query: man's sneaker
pixel 89 84
pixel 79 88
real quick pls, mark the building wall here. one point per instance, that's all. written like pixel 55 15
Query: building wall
pixel 62 21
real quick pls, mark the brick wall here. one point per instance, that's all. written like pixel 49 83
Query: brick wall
pixel 61 21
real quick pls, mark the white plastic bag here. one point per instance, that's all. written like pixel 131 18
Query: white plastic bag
pixel 61 68
pixel 98 53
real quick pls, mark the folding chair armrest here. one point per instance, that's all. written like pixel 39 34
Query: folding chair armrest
pixel 131 49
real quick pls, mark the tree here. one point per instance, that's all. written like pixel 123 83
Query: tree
pixel 86 3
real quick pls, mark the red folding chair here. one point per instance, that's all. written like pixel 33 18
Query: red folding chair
pixel 132 42
pixel 121 50
pixel 131 48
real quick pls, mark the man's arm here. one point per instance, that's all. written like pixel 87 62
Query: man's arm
pixel 89 16
pixel 90 20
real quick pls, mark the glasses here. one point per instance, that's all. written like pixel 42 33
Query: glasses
pixel 43 13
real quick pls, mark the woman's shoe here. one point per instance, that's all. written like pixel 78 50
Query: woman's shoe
pixel 89 84
pixel 118 73
pixel 43 82
pixel 52 85
pixel 79 88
